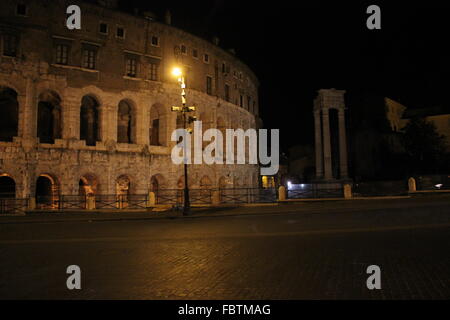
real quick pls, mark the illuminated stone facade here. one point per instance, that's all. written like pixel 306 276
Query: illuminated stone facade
pixel 89 111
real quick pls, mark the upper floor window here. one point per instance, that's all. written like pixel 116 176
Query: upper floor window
pixel 155 41
pixel 249 100
pixel 10 42
pixel 206 58
pixel 208 85
pixel 241 101
pixel 131 67
pixel 103 28
pixel 120 32
pixel 62 53
pixel 21 9
pixel 183 49
pixel 153 72
pixel 89 57
pixel 195 53
pixel 224 67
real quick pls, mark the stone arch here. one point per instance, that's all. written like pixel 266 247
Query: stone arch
pixel 47 191
pixel 126 121
pixel 157 182
pixel 90 120
pixel 88 185
pixel 49 118
pixel 157 125
pixel 9 114
pixel 123 185
pixel 7 186
pixel 205 182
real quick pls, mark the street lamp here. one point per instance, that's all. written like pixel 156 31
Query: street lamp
pixel 178 73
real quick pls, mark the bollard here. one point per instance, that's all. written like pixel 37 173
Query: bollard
pixel 151 199
pixel 412 185
pixel 90 202
pixel 347 191
pixel 215 197
pixel 32 203
pixel 281 193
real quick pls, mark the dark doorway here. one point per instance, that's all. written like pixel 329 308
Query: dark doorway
pixel 89 120
pixel 7 187
pixel 9 114
pixel 49 117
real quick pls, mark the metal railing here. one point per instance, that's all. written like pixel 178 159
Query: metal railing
pixel 13 205
pixel 317 191
pixel 248 195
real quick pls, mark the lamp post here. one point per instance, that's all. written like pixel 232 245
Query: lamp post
pixel 184 109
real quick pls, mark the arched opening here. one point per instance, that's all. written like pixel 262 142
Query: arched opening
pixel 205 183
pixel 49 117
pixel 88 185
pixel 156 183
pixel 205 186
pixel 7 187
pixel 157 136
pixel 89 120
pixel 126 123
pixel 123 185
pixel 9 114
pixel 47 192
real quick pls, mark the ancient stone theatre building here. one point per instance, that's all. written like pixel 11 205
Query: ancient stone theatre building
pixel 89 111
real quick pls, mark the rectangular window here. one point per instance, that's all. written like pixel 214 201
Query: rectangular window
pixel 195 53
pixel 227 93
pixel 241 101
pixel 103 28
pixel 131 67
pixel 183 49
pixel 120 33
pixel 153 71
pixel 224 68
pixel 21 9
pixel 249 100
pixel 209 85
pixel 10 45
pixel 89 57
pixel 206 58
pixel 155 41
pixel 62 54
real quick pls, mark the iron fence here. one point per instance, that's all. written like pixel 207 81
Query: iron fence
pixel 380 188
pixel 67 202
pixel 316 190
pixel 13 205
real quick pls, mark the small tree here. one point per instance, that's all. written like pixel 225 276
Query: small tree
pixel 424 146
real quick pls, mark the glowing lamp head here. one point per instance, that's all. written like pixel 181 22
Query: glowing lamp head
pixel 176 72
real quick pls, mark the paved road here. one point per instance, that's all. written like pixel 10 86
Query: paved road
pixel 302 251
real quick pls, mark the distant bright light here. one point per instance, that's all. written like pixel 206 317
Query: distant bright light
pixel 177 72
pixel 302 185
pixel 439 185
pixel 289 185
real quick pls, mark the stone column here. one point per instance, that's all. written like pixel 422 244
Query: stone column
pixel 326 144
pixel 318 146
pixel 342 144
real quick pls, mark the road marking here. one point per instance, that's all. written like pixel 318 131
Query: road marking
pixel 231 235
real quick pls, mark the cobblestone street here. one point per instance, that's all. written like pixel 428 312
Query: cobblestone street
pixel 300 251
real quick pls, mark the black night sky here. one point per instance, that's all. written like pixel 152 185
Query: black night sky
pixel 298 47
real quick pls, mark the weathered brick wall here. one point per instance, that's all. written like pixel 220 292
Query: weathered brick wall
pixel 33 72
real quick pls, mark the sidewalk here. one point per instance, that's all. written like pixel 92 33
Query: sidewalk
pixel 310 206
